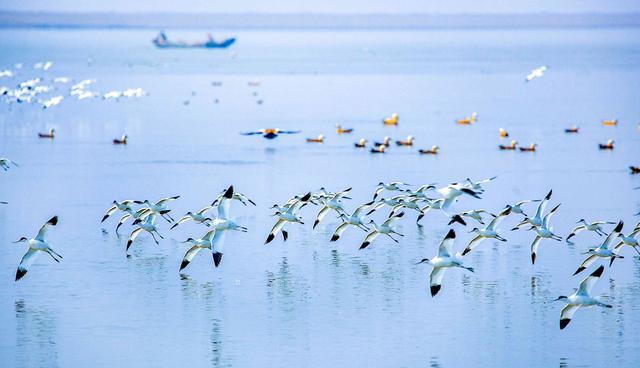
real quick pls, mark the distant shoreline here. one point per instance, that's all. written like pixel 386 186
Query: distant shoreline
pixel 315 21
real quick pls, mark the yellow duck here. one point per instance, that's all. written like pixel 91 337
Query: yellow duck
pixel 468 120
pixel 610 122
pixel 341 130
pixel 361 143
pixel 393 120
pixel 503 133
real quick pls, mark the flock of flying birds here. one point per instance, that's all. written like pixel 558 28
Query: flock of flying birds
pixel 396 197
pixel 49 91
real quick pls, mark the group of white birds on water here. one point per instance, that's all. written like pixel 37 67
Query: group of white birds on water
pixel 48 91
pixel 399 198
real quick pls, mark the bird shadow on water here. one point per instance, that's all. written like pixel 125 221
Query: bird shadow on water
pixel 35 336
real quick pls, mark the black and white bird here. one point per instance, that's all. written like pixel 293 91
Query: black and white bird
pixel 160 207
pixel 630 240
pixel 394 186
pixel 590 226
pixel 543 231
pixel 271 133
pixel 443 260
pixel 602 251
pixel 124 206
pixel 581 298
pixel 198 244
pixel 148 225
pixel 37 244
pixel 489 232
pixel 332 204
pixel 198 217
pixel 385 228
pixel 288 213
pixel 517 207
pixel 536 220
pixel 355 219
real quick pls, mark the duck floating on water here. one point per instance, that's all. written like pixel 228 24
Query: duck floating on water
pixel 341 130
pixel 361 143
pixel 385 142
pixel 50 134
pixel 393 120
pixel 318 139
pixel 606 146
pixel 408 142
pixel 531 148
pixel 468 120
pixel 122 140
pixel 431 151
pixel 510 147
pixel 503 133
pixel 271 133
pixel 378 149
pixel 572 129
pixel 610 122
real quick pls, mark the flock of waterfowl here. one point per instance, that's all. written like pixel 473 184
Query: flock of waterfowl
pixel 399 198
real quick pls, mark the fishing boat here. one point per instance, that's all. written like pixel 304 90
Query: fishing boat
pixel 162 41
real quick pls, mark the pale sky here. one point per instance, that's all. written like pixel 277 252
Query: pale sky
pixel 326 6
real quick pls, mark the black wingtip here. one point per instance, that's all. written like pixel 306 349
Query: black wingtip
pixel 451 234
pixel 129 244
pixel 229 193
pixel 104 218
pixel 580 269
pixel 618 227
pixel 548 196
pixel 533 258
pixel 564 322
pixel 399 215
pixel 335 237
pixel 465 251
pixel 285 235
pixel 306 197
pixel 269 238
pixel 598 272
pixel 217 258
pixel 20 273
pixel 184 264
pixel 364 245
pixel 315 223
pixel 458 219
pixel 53 221
pixel 435 289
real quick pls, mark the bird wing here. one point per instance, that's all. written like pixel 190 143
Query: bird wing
pixel 251 133
pixel 202 211
pixel 208 235
pixel 586 263
pixel 435 277
pixel 225 203
pixel 587 283
pixel 390 221
pixel 577 229
pixel 612 235
pixel 567 313
pixel 547 217
pixel 534 248
pixel 217 242
pixel 182 220
pixel 527 201
pixel 27 260
pixel 446 245
pixel 496 220
pixel 133 236
pixel 543 204
pixel 372 235
pixel 322 213
pixel 340 229
pixel 288 131
pixel 472 244
pixel 166 200
pixel 45 228
pixel 361 208
pixel 278 226
pixel 110 212
pixel 189 255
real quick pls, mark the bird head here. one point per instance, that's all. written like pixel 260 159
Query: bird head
pixel 23 239
pixel 474 230
pixel 189 240
pixel 424 260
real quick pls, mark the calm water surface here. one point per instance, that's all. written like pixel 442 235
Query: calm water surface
pixel 308 302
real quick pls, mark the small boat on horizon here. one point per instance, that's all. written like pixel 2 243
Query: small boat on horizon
pixel 162 41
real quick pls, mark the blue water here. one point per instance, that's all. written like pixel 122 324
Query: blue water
pixel 308 302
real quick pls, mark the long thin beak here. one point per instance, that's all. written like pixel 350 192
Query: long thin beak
pixel 18 241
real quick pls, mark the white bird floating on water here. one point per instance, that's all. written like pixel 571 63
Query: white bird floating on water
pixel 536 73
pixel 37 244
pixel 443 260
pixel 581 298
